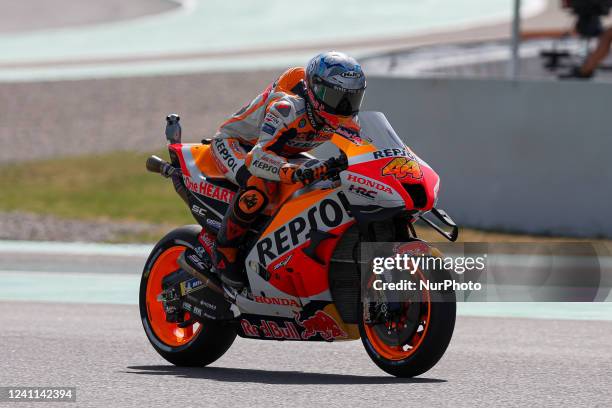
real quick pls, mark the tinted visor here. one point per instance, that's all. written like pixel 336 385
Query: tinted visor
pixel 339 102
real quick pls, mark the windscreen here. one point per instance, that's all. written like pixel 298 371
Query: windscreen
pixel 376 129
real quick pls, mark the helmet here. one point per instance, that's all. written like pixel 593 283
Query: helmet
pixel 335 85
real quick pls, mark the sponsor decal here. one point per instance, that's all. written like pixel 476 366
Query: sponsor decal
pixel 236 148
pixel 304 144
pixel 206 240
pixel 309 112
pixel 327 212
pixel 320 323
pixel 282 263
pixel 196 209
pixel 402 167
pixel 369 183
pixel 213 223
pixel 208 305
pixel 302 123
pixel 272 119
pixel 351 74
pixel 269 129
pixel 225 154
pixel 265 166
pixel 189 286
pixel 362 191
pixel 276 301
pixel 196 310
pixel 380 154
pixel 209 190
pixel 270 329
pixel 351 135
pixel 270 159
pixel 196 261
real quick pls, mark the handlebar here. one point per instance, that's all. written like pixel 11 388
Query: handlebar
pixel 335 165
pixel 158 165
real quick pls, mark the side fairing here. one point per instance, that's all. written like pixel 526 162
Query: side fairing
pixel 210 193
pixel 291 258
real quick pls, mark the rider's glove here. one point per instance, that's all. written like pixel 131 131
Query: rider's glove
pixel 287 173
pixel 310 171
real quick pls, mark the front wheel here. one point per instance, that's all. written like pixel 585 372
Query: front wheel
pixel 198 344
pixel 415 336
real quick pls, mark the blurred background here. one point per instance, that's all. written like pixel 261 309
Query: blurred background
pixel 471 86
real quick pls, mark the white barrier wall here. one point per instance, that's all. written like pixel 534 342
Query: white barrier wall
pixel 525 156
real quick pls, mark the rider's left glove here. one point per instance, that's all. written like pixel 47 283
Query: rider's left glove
pixel 311 171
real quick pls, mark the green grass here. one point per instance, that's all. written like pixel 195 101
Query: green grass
pixel 117 187
pixel 113 186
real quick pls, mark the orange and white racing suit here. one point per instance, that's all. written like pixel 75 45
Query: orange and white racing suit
pixel 252 148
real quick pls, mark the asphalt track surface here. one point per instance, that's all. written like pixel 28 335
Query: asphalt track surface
pixel 102 350
pixel 80 340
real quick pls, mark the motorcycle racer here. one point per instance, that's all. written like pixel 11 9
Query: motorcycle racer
pixel 301 110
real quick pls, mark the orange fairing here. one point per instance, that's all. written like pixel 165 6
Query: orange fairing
pixel 292 208
pixel 352 149
pixel 204 159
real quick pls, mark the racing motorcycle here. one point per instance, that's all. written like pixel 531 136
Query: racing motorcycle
pixel 301 257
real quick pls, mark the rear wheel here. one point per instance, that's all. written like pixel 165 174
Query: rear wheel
pixel 413 336
pixel 198 344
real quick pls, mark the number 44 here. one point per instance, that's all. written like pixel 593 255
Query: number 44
pixel 401 167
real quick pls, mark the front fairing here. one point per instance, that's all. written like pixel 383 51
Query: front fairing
pixel 383 172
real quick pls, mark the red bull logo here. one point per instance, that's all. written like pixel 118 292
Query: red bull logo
pixel 270 329
pixel 320 323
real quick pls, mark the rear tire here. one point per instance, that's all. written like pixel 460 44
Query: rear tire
pixel 197 345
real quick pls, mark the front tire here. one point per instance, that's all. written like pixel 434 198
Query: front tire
pixel 419 351
pixel 197 345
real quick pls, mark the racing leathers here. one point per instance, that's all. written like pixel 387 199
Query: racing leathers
pixel 252 148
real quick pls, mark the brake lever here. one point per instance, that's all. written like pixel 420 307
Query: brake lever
pixel 337 164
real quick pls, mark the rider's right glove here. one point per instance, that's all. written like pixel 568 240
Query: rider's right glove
pixel 310 171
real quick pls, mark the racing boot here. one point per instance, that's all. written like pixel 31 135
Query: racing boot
pixel 228 267
pixel 245 208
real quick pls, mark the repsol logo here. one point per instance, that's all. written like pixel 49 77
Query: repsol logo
pixel 327 213
pixel 265 166
pixel 380 154
pixel 225 154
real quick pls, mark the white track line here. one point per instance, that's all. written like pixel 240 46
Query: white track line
pixel 74 248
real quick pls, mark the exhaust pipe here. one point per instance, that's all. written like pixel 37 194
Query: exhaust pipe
pixel 206 281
